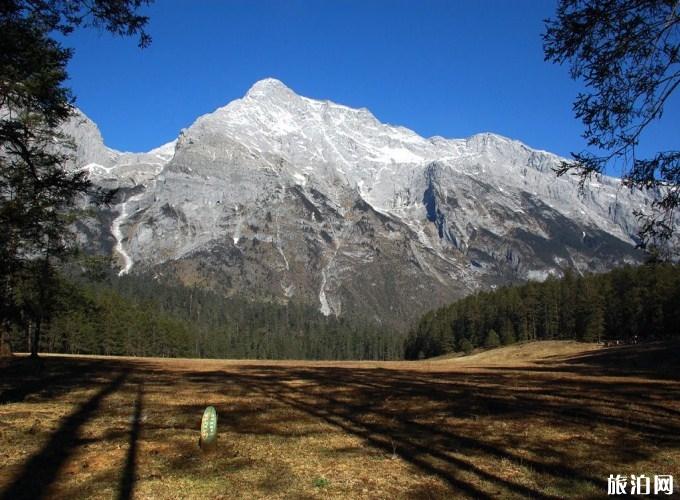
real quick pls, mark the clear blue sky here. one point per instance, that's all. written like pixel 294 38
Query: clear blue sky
pixel 450 68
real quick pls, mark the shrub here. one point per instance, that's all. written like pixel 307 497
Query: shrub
pixel 321 482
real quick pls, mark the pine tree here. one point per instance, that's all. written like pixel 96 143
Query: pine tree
pixel 491 339
pixel 36 187
pixel 466 346
pixel 508 332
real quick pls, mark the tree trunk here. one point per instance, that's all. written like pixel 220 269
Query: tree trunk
pixel 35 339
pixel 5 346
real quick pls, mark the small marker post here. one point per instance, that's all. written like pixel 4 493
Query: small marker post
pixel 208 429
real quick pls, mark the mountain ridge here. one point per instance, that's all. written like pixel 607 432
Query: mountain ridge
pixel 283 197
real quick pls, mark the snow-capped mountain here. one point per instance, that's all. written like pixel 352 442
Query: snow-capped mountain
pixel 281 197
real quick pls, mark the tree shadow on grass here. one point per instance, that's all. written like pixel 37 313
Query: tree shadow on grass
pixel 24 378
pixel 129 470
pixel 41 470
pixel 409 412
pixel 50 379
pixel 532 432
pixel 659 360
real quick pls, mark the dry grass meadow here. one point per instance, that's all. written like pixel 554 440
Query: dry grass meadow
pixel 545 420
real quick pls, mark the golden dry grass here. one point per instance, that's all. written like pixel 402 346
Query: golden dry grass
pixel 541 421
pixel 527 353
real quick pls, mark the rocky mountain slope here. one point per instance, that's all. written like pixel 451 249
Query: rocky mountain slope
pixel 280 197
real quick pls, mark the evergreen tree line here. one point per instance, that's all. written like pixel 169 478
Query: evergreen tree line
pixel 139 316
pixel 630 304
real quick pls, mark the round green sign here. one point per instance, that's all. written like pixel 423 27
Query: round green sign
pixel 209 426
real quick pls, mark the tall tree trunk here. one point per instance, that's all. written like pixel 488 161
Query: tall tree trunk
pixel 35 339
pixel 5 346
pixel 44 297
pixel 28 336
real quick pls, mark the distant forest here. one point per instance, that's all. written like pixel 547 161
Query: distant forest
pixel 140 316
pixel 630 304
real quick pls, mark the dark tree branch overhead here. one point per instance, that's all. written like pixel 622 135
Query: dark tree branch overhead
pixel 627 52
pixel 119 17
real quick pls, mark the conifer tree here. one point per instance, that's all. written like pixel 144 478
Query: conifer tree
pixel 508 332
pixel 492 339
pixel 36 187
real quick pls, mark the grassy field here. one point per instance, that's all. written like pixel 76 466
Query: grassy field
pixel 544 420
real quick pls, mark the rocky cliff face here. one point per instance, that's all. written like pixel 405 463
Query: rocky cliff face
pixel 280 197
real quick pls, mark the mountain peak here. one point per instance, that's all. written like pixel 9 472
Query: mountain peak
pixel 268 86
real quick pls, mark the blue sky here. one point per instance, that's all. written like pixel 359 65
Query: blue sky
pixel 450 68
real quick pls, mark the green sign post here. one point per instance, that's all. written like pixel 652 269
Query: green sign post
pixel 208 428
